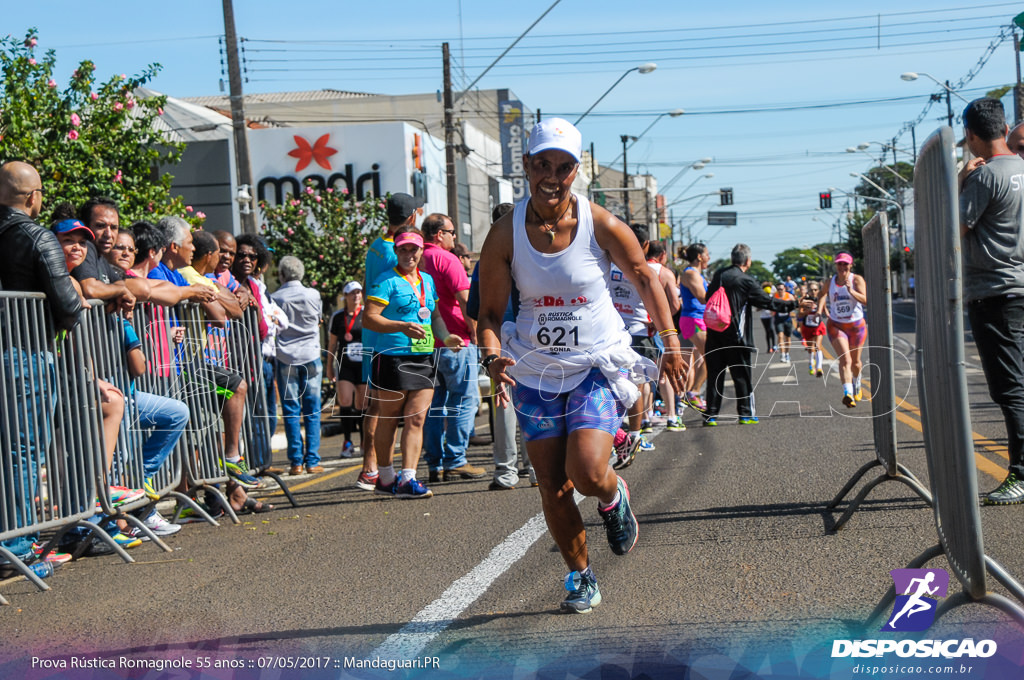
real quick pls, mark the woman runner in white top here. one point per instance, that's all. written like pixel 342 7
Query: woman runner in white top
pixel 846 295
pixel 567 356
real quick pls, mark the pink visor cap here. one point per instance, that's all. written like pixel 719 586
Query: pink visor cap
pixel 408 237
pixel 844 258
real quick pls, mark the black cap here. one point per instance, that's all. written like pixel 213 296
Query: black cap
pixel 402 206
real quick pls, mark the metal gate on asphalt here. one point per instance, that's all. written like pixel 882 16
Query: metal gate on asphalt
pixel 883 394
pixel 942 388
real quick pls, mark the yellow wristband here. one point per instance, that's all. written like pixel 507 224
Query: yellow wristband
pixel 668 331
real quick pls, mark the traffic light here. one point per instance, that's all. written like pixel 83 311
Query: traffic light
pixel 725 193
pixel 825 200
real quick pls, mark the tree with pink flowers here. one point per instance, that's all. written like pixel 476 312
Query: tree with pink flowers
pixel 329 230
pixel 87 137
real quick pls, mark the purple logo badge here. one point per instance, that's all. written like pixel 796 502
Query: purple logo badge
pixel 917 595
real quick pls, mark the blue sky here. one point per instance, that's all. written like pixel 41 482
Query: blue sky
pixel 812 58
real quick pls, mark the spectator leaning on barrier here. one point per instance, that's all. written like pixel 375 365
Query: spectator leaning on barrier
pixel 150 244
pixel 991 226
pixel 205 254
pixel 299 367
pixel 222 272
pixel 453 409
pixel 99 278
pixel 31 260
pixel 228 385
pixel 122 254
pixel 250 257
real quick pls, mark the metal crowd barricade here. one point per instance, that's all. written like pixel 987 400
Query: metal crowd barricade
pixel 243 353
pixel 152 324
pixel 105 335
pixel 942 387
pixel 883 398
pixel 203 443
pixel 50 427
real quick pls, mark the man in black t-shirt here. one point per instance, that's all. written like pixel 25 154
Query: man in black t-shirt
pixel 100 279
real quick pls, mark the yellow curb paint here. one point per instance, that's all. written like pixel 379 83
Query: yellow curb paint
pixel 320 478
pixel 984 464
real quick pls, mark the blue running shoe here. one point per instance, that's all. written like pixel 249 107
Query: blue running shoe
pixel 748 420
pixel 385 489
pixel 412 489
pixel 711 421
pixel 583 592
pixel 620 523
pixel 645 445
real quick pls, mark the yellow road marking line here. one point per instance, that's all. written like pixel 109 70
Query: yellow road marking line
pixel 317 480
pixel 983 463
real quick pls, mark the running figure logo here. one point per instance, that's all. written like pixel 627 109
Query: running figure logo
pixel 918 591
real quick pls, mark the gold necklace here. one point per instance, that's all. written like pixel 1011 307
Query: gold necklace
pixel 549 228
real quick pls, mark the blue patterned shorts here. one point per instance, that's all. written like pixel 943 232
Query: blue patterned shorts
pixel 589 406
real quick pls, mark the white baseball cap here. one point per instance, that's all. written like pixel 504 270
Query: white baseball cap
pixel 556 133
pixel 351 287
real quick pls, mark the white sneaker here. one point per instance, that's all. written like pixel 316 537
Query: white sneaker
pixel 160 526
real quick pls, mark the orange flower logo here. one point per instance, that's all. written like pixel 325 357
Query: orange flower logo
pixel 306 154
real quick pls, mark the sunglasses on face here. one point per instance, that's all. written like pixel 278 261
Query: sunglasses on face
pixel 247 256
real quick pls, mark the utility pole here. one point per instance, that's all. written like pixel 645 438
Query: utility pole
pixel 243 170
pixel 1018 88
pixel 449 141
pixel 625 176
pixel 949 106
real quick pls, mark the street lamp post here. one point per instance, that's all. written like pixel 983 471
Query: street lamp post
pixel 862 148
pixel 642 68
pixel 674 113
pixel 689 186
pixel 911 76
pixel 695 165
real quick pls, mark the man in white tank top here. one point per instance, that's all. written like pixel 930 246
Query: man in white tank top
pixel 566 358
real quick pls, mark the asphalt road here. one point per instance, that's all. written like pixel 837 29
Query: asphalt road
pixel 738 566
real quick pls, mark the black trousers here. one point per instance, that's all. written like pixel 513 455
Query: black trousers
pixel 998 327
pixel 769 332
pixel 737 360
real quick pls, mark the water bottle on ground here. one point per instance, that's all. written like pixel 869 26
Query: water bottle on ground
pixel 42 569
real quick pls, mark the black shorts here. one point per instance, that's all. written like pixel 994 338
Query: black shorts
pixel 784 325
pixel 350 371
pixel 210 377
pixel 403 372
pixel 645 347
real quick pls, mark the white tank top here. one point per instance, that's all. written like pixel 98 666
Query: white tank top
pixel 842 306
pixel 566 311
pixel 627 302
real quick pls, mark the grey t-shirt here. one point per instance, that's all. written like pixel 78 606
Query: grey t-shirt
pixel 992 208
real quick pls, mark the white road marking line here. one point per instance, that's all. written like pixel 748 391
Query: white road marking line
pixel 410 641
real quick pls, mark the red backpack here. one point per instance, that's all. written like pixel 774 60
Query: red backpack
pixel 718 311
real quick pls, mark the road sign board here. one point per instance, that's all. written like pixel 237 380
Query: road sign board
pixel 722 217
